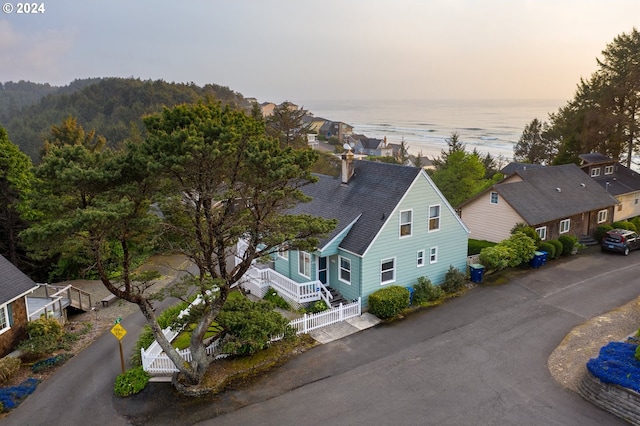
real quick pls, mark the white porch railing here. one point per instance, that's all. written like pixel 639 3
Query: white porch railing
pixel 60 299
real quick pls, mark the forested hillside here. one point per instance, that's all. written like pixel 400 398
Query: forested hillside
pixel 113 107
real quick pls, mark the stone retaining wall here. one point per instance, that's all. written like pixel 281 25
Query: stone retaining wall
pixel 620 401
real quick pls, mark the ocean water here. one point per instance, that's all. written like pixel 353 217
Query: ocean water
pixel 491 126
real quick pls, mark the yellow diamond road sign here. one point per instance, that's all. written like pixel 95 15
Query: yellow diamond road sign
pixel 118 331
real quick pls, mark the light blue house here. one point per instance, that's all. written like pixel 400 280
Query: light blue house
pixel 394 226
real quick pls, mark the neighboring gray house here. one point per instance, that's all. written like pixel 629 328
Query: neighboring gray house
pixel 14 287
pixel 617 180
pixel 371 146
pixel 555 200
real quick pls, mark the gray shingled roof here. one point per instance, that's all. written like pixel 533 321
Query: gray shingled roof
pixel 372 193
pixel 536 198
pixel 13 283
pixel 595 158
pixel 513 167
pixel 621 181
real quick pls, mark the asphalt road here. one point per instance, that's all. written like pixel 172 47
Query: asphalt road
pixel 480 359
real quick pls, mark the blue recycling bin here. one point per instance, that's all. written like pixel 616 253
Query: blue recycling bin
pixel 536 262
pixel 545 256
pixel 476 271
pixel 411 291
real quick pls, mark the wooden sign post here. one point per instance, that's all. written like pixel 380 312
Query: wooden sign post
pixel 119 331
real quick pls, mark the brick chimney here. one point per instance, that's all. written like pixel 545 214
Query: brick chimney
pixel 347 166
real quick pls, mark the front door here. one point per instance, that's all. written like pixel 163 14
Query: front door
pixel 322 270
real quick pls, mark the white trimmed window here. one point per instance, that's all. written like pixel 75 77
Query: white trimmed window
pixel 602 216
pixel 565 225
pixel 608 170
pixel 388 271
pixel 4 319
pixel 434 218
pixel 494 198
pixel 345 269
pixel 420 258
pixel 304 264
pixel 433 254
pixel 405 223
pixel 595 172
pixel 542 232
pixel 283 253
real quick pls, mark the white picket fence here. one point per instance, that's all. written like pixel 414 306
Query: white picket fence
pixel 156 362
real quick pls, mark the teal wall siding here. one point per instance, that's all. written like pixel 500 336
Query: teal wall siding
pixel 283 266
pixel 351 291
pixel 451 241
pixel 290 268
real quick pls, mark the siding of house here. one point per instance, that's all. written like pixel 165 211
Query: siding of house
pixel 10 338
pixel 451 242
pixel 629 206
pixel 348 291
pixel 503 218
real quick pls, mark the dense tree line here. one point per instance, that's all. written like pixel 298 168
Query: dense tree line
pixel 113 107
pixel 603 116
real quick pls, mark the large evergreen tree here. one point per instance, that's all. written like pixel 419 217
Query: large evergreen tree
pixel 15 183
pixel 604 115
pixel 216 177
pixel 534 146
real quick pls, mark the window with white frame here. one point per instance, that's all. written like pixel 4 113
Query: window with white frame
pixel 304 264
pixel 420 258
pixel 388 271
pixel 542 232
pixel 494 198
pixel 565 225
pixel 4 319
pixel 608 170
pixel 602 216
pixel 345 269
pixel 405 223
pixel 283 253
pixel 433 254
pixel 595 172
pixel 637 197
pixel 434 218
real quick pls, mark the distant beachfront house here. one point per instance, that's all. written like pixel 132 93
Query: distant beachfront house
pixel 371 146
pixel 554 200
pixel 14 288
pixel 335 129
pixel 617 180
pixel 394 226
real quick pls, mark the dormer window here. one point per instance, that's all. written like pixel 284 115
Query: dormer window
pixel 608 170
pixel 595 172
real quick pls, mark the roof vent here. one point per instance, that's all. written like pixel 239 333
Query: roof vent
pixel 582 185
pixel 558 189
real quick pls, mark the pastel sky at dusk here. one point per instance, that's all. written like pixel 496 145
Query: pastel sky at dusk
pixel 331 49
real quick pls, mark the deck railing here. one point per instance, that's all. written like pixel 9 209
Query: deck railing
pixel 61 297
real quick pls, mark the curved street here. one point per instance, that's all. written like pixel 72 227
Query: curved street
pixel 478 359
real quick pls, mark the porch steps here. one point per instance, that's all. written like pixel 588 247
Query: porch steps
pixel 337 298
pixel 587 240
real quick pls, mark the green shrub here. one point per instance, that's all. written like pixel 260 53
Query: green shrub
pixel 278 301
pixel 316 307
pixel 476 246
pixel 454 281
pixel 528 231
pixel 131 382
pixel 425 292
pixel 46 336
pixel 45 327
pixel 144 341
pixel 601 230
pixel 568 243
pixel 558 245
pixel 388 302
pixel 523 247
pixel 636 222
pixel 497 257
pixel 9 366
pixel 549 248
pixel 623 224
pixel 251 325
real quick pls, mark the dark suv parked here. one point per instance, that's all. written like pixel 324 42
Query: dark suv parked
pixel 621 240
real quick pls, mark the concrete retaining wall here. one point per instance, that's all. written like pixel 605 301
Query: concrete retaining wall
pixel 620 401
